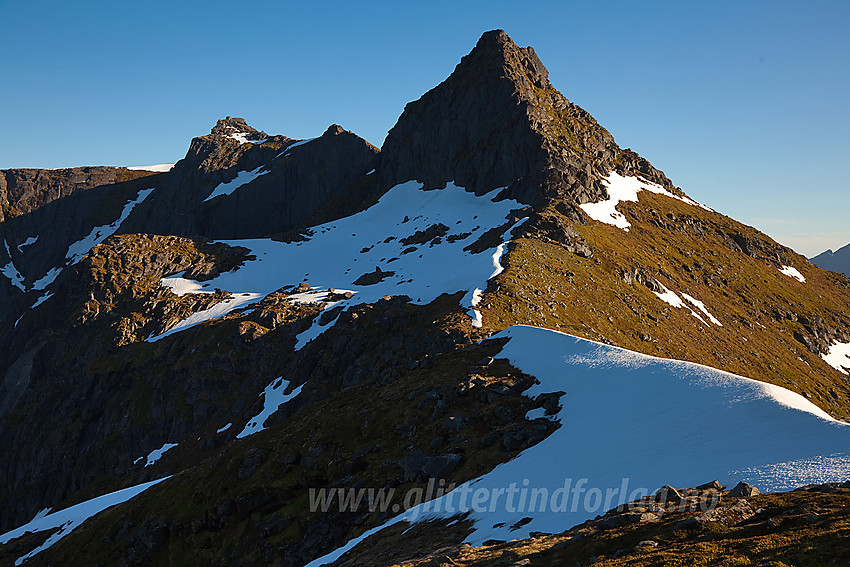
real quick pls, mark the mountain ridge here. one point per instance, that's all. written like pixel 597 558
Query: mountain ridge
pixel 838 261
pixel 378 311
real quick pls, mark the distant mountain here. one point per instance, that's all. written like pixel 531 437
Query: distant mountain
pixel 838 261
pixel 207 365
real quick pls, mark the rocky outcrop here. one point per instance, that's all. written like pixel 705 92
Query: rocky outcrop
pixel 498 122
pixel 278 184
pixel 25 190
pixel 552 229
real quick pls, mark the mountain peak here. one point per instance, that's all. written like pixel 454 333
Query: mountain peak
pixel 497 48
pixel 237 129
pixel 497 122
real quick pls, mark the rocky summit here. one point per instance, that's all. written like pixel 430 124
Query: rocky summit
pixel 500 339
pixel 497 122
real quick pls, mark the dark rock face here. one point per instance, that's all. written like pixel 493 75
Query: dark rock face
pixel 294 184
pixel 25 190
pixel 498 122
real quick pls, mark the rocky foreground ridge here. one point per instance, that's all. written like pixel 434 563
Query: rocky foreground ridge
pixel 213 325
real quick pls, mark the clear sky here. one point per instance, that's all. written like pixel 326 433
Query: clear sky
pixel 743 104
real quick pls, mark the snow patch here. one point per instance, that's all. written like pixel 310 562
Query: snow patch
pixel 669 297
pixel 223 429
pixel 242 178
pixel 220 309
pixel 295 145
pixel 242 138
pixel 620 189
pixel 793 273
pixel 313 331
pixel 536 413
pixel 71 518
pixel 838 357
pixel 41 513
pixel 701 306
pixel 11 272
pixel 181 286
pixel 42 299
pixel 160 167
pixel 46 279
pixel 273 398
pixel 28 242
pixel 497 256
pixel 157 454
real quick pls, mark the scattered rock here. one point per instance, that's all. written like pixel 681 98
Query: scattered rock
pixel 668 494
pixel 743 490
pixel 512 442
pixel 417 463
pixel 371 278
pixel 303 287
pixel 728 515
pixel 646 543
pixel 429 234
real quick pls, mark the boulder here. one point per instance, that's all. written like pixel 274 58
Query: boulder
pixel 441 466
pixel 668 494
pixel 728 515
pixel 743 490
pixel 412 465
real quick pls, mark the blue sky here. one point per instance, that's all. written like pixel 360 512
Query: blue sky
pixel 743 104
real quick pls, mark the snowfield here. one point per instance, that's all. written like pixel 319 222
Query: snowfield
pixel 421 257
pixel 631 423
